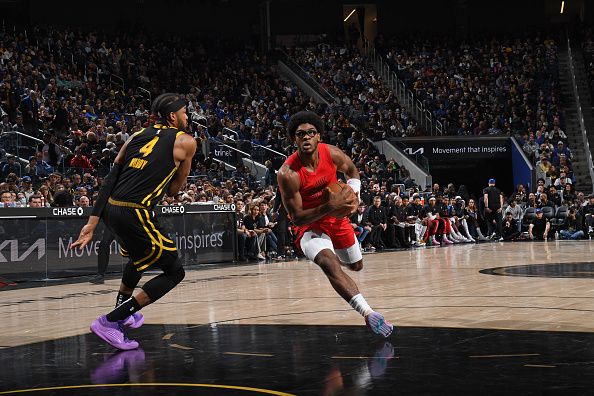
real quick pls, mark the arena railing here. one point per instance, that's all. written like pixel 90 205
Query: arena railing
pixel 145 93
pixel 116 80
pixel 15 143
pixel 312 82
pixel 584 132
pixel 405 96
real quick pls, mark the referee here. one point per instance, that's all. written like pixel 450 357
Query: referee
pixel 154 161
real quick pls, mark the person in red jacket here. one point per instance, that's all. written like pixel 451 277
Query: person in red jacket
pixel 79 160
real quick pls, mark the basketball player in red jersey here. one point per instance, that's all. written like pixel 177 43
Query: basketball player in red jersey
pixel 326 240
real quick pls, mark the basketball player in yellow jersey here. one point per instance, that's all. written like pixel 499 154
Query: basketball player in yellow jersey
pixel 154 161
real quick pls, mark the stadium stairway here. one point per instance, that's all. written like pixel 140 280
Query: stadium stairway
pixel 572 122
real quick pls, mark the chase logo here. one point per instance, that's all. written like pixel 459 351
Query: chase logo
pixel 224 207
pixel 172 209
pixel 68 211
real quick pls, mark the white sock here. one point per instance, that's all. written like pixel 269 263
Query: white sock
pixel 360 305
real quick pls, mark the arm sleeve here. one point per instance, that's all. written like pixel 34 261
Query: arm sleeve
pixel 108 185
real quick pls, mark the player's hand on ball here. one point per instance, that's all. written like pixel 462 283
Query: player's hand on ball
pixel 342 203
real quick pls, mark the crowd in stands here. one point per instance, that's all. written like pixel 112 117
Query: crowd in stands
pixel 485 86
pixel 587 41
pixel 362 98
pixel 63 87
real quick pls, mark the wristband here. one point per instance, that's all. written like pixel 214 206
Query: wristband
pixel 355 184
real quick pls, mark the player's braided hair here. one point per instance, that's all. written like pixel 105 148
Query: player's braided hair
pixel 164 104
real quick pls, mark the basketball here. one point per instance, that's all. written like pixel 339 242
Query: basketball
pixel 336 188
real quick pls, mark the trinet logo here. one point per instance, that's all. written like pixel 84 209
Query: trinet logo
pixel 68 211
pixel 222 153
pixel 410 151
pixel 14 251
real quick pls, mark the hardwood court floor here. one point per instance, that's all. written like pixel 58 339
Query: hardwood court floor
pixel 514 318
pixel 434 287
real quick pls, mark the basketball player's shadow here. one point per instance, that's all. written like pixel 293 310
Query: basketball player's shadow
pixel 119 367
pixel 351 380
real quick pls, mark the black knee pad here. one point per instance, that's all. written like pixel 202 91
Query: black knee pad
pixel 178 275
pixel 131 276
pixel 162 284
pixel 169 261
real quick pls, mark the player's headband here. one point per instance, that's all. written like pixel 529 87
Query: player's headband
pixel 173 107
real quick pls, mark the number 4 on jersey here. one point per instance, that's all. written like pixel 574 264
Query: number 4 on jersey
pixel 148 148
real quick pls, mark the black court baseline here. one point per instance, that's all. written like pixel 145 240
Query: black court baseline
pixel 304 360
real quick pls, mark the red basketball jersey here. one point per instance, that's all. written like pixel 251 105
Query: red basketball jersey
pixel 312 184
pixel 311 188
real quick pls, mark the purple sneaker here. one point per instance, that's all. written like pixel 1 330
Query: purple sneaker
pixel 112 333
pixel 134 321
pixel 376 322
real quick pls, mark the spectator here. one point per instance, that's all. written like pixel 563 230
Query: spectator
pixel 398 231
pixel 569 195
pixel 376 218
pixel 271 239
pixel 511 227
pixel 241 231
pixel 572 226
pixel 539 228
pixel 360 228
pixel 62 198
pixel 413 214
pixel 254 224
pixel 544 201
pixel 80 161
pixel 7 199
pixel 83 201
pixel 588 212
pixel 27 187
pixel 516 212
pixel 562 180
pixel 11 167
pixel 554 197
pixel 42 168
pixel 493 208
pixel 35 201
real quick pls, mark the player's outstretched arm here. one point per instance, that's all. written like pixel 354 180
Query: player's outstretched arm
pixel 86 233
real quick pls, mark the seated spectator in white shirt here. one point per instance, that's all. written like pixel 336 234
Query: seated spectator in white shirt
pixel 562 180
pixel 516 212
